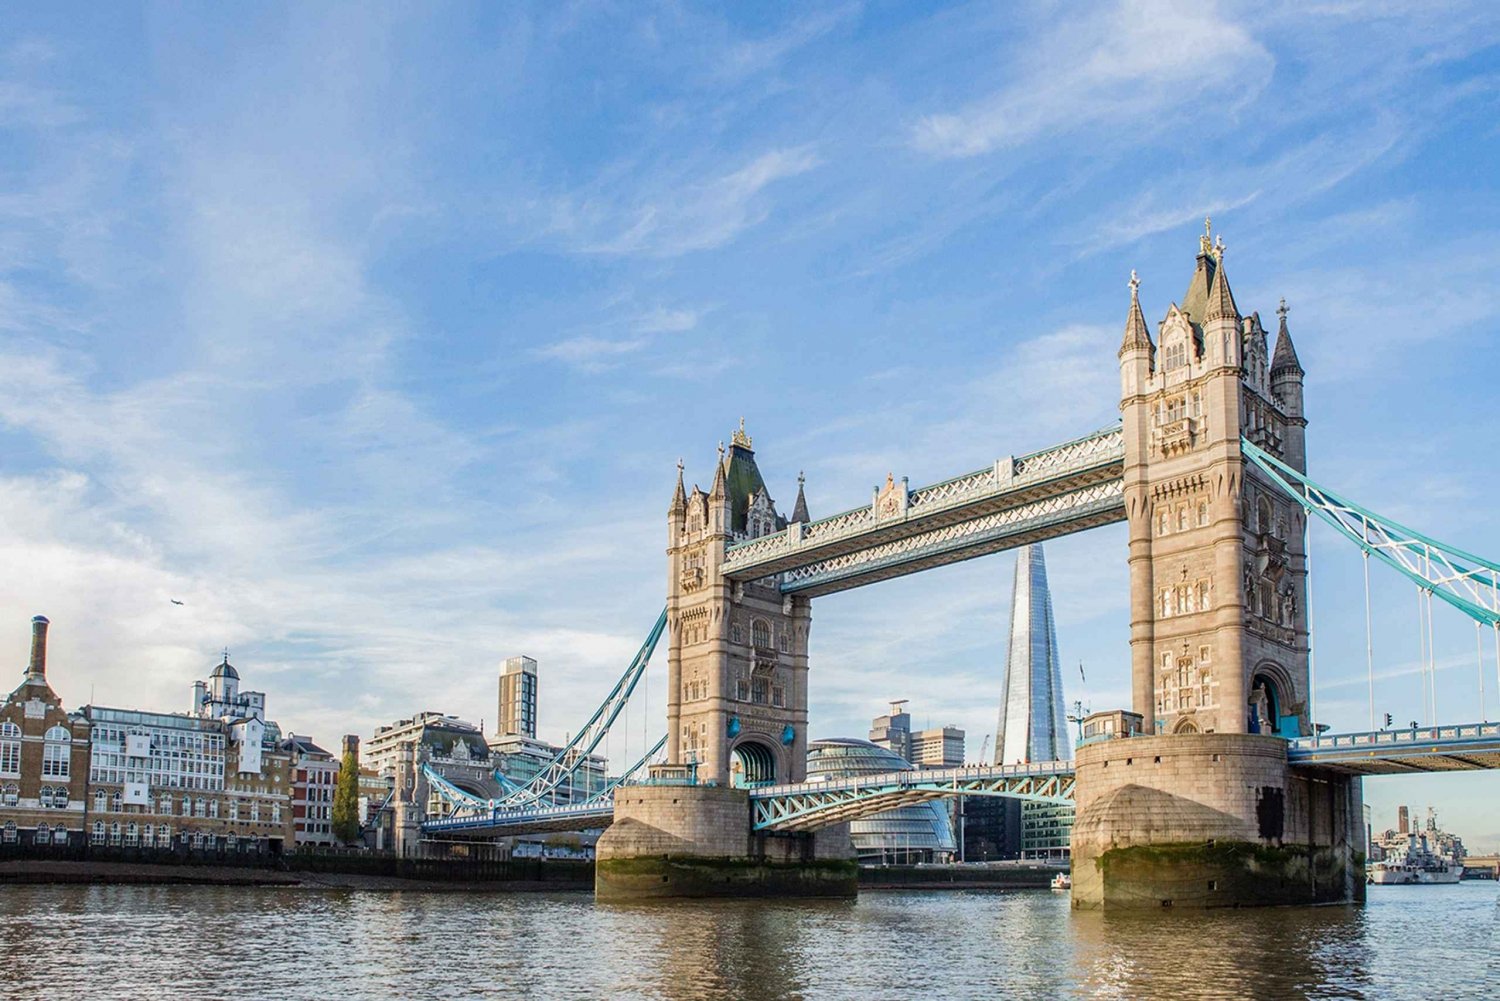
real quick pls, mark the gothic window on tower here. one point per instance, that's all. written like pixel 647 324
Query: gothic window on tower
pixel 1175 356
pixel 742 689
pixel 760 634
pixel 760 691
pixel 1203 596
pixel 1161 522
pixel 1202 513
pixel 778 696
pixel 1197 409
pixel 737 633
pixel 1166 603
pixel 1182 517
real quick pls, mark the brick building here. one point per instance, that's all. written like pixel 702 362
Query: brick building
pixel 44 753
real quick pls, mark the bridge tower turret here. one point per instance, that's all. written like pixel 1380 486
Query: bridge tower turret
pixel 1206 811
pixel 737 652
pixel 1218 571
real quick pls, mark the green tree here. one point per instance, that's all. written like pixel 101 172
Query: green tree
pixel 346 800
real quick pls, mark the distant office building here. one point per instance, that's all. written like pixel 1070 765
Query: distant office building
pixel 921 832
pixel 314 775
pixel 44 758
pixel 214 780
pixel 893 731
pixel 939 747
pixel 1033 724
pixel 991 828
pixel 521 759
pixel 517 698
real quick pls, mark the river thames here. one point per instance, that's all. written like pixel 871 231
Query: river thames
pixel 110 942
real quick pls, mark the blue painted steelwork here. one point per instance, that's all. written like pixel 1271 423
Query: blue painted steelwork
pixel 559 772
pixel 471 813
pixel 1457 747
pixel 1465 581
pixel 808 806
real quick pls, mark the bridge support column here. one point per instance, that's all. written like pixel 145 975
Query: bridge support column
pixel 1212 820
pixel 696 841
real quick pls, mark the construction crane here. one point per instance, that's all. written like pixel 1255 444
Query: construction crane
pixel 984 750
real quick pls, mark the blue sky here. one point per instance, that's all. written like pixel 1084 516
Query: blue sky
pixel 374 333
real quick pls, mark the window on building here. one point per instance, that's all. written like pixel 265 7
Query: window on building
pixel 43 834
pixel 1202 513
pixel 97 837
pixel 59 835
pixel 114 833
pixel 164 836
pixel 1203 596
pixel 213 809
pixel 1162 522
pixel 275 813
pixel 234 809
pixel 778 696
pixel 164 806
pixel 55 758
pixel 10 794
pixel 760 633
pixel 742 689
pixel 100 799
pixel 1182 517
pixel 10 749
pixel 8 833
pixel 132 836
pixel 760 690
pixel 114 802
pixel 736 633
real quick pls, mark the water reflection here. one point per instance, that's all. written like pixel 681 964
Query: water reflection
pixel 208 942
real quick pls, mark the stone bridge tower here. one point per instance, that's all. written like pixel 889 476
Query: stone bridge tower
pixel 1205 810
pixel 737 655
pixel 1218 570
pixel 736 717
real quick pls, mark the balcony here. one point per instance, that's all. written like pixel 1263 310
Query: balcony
pixel 1176 434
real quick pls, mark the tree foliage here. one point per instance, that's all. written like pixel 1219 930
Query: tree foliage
pixel 346 800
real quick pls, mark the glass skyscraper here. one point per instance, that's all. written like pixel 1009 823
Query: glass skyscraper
pixel 1033 726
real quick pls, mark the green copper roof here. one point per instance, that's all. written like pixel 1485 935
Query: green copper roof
pixel 742 479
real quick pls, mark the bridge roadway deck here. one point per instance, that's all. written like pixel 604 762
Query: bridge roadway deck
pixel 811 805
pixel 1057 491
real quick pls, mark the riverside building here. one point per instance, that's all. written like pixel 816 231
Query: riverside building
pixel 517 703
pixel 314 775
pixel 215 779
pixel 44 760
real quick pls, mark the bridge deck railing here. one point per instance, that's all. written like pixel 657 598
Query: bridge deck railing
pixel 1396 738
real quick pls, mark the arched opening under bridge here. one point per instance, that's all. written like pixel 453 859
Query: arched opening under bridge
pixel 754 764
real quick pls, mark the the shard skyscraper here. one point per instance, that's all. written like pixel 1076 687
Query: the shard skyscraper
pixel 1033 725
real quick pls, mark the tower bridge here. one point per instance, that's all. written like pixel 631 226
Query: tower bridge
pixel 1226 795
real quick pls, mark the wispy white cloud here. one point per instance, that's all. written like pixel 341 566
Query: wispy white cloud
pixel 684 215
pixel 1135 65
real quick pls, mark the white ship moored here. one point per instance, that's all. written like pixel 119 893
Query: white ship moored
pixel 1415 863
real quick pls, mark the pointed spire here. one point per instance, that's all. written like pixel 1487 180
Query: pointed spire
pixel 720 488
pixel 1284 361
pixel 1137 335
pixel 679 496
pixel 1220 298
pixel 799 510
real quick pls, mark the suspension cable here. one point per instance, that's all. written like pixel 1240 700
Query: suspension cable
pixel 1369 640
pixel 1484 716
pixel 1312 670
pixel 1432 660
pixel 1422 639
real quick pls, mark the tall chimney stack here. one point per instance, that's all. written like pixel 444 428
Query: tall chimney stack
pixel 1403 821
pixel 38 666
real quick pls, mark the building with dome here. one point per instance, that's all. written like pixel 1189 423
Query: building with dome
pixel 215 779
pixel 921 832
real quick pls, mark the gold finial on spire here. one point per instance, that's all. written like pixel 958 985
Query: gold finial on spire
pixel 740 438
pixel 1205 242
pixel 1135 286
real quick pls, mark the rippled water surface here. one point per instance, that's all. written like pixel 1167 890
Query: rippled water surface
pixel 211 942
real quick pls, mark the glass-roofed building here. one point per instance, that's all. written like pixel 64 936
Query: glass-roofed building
pixel 921 832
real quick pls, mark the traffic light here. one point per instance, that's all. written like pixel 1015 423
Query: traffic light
pixel 1387 719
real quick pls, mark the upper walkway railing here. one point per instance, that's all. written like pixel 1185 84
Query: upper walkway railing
pixel 1047 475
